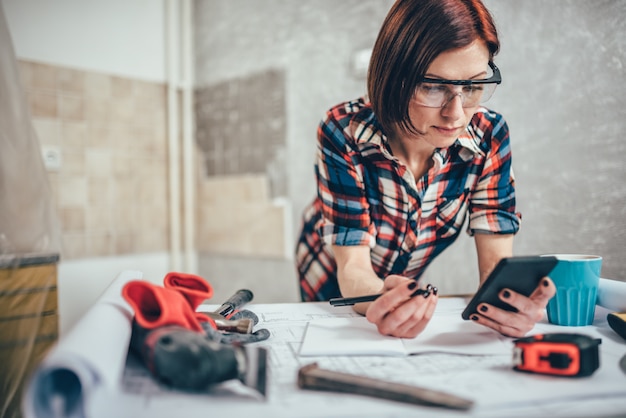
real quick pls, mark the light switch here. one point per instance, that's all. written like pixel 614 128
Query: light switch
pixel 51 157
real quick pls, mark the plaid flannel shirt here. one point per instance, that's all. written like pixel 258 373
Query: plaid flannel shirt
pixel 367 197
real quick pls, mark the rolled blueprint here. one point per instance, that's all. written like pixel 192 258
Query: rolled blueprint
pixel 612 295
pixel 91 356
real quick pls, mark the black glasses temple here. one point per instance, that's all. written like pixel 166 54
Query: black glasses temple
pixel 496 78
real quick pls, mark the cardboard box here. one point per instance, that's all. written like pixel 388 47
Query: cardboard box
pixel 29 322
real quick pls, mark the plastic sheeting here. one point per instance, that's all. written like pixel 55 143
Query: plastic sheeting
pixel 29 239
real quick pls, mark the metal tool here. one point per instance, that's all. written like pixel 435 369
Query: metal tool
pixel 237 300
pixel 185 359
pixel 316 378
pixel 559 354
pixel 242 326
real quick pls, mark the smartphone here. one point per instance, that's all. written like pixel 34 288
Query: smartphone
pixel 520 274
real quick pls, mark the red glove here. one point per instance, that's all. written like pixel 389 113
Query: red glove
pixel 156 306
pixel 194 288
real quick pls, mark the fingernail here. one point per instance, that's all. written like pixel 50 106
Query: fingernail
pixel 435 290
pixel 474 318
pixel 418 292
pixel 483 308
pixel 426 294
pixel 506 294
pixel 412 285
pixel 546 283
pixel 429 287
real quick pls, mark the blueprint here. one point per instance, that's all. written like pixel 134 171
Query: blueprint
pixel 115 383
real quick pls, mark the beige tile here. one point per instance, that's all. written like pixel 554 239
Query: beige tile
pixel 124 244
pixel 98 219
pixel 71 108
pixel 152 215
pixel 71 81
pixel 123 110
pixel 98 110
pixel 236 188
pixel 73 245
pixel 152 192
pixel 48 131
pixel 98 135
pixel 100 244
pixel 73 162
pixel 125 192
pixel 97 86
pixel 121 166
pixel 43 104
pixel 72 191
pixel 98 163
pixel 99 191
pixel 73 134
pixel 44 77
pixel 149 90
pixel 249 230
pixel 149 170
pixel 121 138
pixel 121 88
pixel 152 240
pixel 122 216
pixel 137 144
pixel 72 218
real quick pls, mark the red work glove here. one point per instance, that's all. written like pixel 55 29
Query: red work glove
pixel 156 306
pixel 194 288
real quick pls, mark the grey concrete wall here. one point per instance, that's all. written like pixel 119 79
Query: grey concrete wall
pixel 563 65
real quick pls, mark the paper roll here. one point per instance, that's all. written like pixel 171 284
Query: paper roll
pixel 612 295
pixel 92 355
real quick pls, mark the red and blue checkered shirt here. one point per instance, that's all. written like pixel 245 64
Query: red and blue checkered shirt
pixel 366 196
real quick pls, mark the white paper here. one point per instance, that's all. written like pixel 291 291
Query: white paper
pixel 498 390
pixel 90 356
pixel 446 332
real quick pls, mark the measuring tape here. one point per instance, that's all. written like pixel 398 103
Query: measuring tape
pixel 558 354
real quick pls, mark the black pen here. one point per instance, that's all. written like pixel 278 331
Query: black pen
pixel 371 298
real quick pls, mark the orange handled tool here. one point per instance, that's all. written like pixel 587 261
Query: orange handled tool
pixel 559 354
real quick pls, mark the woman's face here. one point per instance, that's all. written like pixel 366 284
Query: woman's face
pixel 441 126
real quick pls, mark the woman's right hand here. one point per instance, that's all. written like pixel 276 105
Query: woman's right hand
pixel 400 312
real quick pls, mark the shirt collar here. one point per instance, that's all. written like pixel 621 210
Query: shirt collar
pixel 470 141
pixel 367 131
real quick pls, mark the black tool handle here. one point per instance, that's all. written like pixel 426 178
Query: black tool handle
pixel 240 298
pixel 187 360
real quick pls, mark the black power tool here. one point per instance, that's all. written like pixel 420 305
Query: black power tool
pixel 185 359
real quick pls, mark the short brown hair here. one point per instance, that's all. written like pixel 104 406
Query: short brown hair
pixel 413 34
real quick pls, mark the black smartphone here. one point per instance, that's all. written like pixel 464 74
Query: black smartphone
pixel 520 274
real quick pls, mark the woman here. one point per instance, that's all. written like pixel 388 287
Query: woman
pixel 400 170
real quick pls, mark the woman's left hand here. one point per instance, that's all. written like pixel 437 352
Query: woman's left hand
pixel 530 310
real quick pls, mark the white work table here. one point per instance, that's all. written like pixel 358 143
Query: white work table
pixel 489 380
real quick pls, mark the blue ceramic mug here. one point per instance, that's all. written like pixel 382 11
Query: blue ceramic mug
pixel 576 278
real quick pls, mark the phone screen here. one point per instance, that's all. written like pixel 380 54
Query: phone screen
pixel 520 274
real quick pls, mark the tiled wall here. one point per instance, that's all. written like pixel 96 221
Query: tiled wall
pixel 241 127
pixel 111 188
pixel 237 217
pixel 241 134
